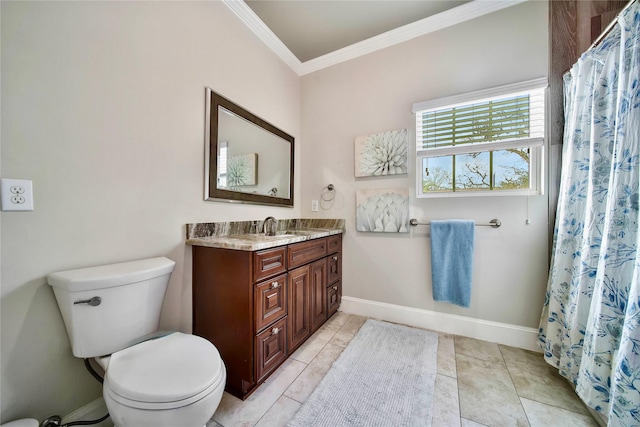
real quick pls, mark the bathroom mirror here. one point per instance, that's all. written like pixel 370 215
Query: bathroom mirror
pixel 248 160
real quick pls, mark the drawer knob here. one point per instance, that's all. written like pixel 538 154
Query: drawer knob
pixel 274 285
pixel 275 331
pixel 335 258
pixel 335 288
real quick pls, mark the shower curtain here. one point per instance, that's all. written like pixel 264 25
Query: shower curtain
pixel 590 324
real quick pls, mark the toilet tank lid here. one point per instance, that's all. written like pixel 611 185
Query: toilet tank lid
pixel 111 275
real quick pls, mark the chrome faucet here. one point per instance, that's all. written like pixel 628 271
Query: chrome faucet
pixel 273 225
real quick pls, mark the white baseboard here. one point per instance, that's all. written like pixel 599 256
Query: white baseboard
pixel 502 333
pixel 91 411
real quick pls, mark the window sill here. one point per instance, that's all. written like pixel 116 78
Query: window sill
pixel 512 193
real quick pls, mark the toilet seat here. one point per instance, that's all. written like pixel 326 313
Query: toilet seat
pixel 164 373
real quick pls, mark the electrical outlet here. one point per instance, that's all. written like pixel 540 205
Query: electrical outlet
pixel 314 206
pixel 17 194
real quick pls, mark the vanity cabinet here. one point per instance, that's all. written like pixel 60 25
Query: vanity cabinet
pixel 257 307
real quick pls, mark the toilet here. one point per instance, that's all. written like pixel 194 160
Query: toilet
pixel 159 379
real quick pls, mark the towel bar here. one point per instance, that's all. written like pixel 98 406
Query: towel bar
pixel 495 223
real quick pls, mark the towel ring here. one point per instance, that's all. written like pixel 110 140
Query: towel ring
pixel 328 193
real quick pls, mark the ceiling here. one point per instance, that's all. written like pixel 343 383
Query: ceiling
pixel 310 35
pixel 312 28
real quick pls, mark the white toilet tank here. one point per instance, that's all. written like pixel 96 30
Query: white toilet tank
pixel 109 307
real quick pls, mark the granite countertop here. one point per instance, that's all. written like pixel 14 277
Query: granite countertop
pixel 243 235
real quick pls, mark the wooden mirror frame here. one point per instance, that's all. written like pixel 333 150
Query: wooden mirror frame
pixel 211 191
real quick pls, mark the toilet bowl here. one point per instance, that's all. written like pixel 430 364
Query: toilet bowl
pixel 25 422
pixel 163 382
pixel 175 379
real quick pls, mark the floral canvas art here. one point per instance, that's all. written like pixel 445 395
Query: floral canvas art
pixel 384 211
pixel 381 154
pixel 241 170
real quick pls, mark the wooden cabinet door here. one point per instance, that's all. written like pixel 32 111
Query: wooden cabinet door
pixel 318 293
pixel 299 303
pixel 335 267
pixel 334 296
pixel 270 301
pixel 271 348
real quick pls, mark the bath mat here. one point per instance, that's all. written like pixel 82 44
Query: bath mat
pixel 385 377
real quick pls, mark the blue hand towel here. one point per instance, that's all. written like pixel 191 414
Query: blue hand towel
pixel 452 260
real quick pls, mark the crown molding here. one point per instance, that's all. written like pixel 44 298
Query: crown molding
pixel 255 24
pixel 457 15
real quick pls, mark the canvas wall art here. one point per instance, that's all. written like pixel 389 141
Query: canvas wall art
pixel 381 154
pixel 383 211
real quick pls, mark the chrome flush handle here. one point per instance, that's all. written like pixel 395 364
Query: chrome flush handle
pixel 95 301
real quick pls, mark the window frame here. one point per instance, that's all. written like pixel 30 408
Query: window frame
pixel 535 144
pixel 223 156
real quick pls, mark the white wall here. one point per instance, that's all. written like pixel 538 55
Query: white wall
pixel 103 108
pixel 375 93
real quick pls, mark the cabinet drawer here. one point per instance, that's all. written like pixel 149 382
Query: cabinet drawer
pixel 335 267
pixel 305 252
pixel 334 296
pixel 269 262
pixel 270 301
pixel 334 243
pixel 271 348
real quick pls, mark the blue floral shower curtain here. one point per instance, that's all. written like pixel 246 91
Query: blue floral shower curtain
pixel 590 324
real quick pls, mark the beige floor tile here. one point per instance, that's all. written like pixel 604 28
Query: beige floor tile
pixel 307 381
pixel 446 355
pixel 235 412
pixel 478 349
pixel 446 408
pixel 310 349
pixel 487 394
pixel 469 423
pixel 336 321
pixel 477 385
pixel 280 413
pixel 542 415
pixel 346 333
pixel 535 379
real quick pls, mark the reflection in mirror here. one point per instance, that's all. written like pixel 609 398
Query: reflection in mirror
pixel 248 159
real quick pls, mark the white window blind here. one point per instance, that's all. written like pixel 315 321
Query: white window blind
pixel 503 119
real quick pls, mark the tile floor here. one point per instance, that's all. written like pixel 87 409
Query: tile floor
pixel 478 384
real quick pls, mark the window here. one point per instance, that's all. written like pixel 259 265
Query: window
pixel 223 150
pixel 485 142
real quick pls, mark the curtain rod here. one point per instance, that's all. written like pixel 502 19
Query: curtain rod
pixel 610 26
